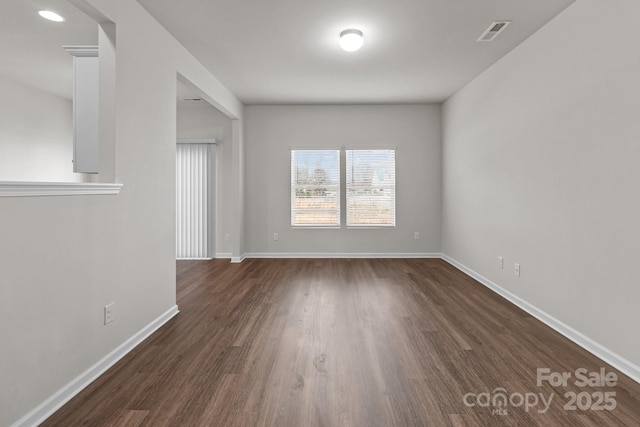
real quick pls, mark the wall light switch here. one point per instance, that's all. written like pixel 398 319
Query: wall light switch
pixel 416 235
pixel 109 313
pixel 516 269
pixel 500 262
pixel 275 237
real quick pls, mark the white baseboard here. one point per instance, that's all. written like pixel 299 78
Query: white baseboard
pixel 623 365
pixel 67 392
pixel 219 255
pixel 338 255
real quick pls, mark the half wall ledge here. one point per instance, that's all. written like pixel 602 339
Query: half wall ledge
pixel 35 189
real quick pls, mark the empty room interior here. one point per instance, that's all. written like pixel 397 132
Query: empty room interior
pixel 337 213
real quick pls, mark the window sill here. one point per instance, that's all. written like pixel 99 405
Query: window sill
pixel 316 227
pixel 34 189
pixel 369 227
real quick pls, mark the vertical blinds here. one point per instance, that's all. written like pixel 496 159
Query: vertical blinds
pixel 371 188
pixel 194 207
pixel 315 188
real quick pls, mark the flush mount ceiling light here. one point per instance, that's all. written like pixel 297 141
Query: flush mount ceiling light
pixel 351 40
pixel 50 15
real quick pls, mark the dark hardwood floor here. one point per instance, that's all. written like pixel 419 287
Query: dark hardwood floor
pixel 338 342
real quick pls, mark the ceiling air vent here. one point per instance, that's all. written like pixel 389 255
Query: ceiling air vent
pixel 493 31
pixel 191 99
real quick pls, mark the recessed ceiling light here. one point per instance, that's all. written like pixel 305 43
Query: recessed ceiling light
pixel 50 15
pixel 351 40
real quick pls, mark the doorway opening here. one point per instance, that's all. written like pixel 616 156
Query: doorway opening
pixel 203 170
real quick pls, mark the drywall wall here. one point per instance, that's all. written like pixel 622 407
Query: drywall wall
pixel 541 157
pixel 36 137
pixel 201 120
pixel 64 258
pixel 413 130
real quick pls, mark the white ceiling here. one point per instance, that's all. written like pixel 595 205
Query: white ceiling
pixel 286 51
pixel 31 47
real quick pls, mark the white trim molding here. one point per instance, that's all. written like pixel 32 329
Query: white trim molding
pixel 33 189
pixel 196 141
pixel 620 363
pixel 66 393
pixel 82 51
pixel 337 255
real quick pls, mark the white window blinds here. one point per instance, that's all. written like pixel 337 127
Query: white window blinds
pixel 371 188
pixel 315 188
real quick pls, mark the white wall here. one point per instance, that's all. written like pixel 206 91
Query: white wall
pixel 541 166
pixel 201 120
pixel 271 131
pixel 63 258
pixel 36 135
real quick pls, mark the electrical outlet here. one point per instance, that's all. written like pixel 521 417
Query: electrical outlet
pixel 109 313
pixel 500 262
pixel 416 235
pixel 516 269
pixel 227 237
pixel 275 237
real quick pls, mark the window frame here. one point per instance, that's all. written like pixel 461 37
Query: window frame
pixel 338 189
pixel 347 190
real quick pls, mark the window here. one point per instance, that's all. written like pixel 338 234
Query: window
pixel 371 188
pixel 315 188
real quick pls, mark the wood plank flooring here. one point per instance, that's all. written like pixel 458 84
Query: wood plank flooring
pixel 339 342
